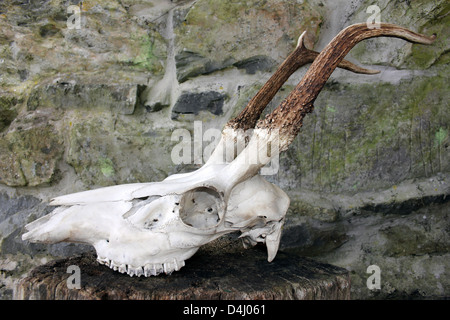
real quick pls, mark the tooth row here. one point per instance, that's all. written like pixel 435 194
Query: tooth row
pixel 150 269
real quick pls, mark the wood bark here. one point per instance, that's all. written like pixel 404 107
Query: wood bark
pixel 242 274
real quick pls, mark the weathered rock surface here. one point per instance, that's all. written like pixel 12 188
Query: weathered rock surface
pixel 29 150
pixel 427 17
pixel 215 34
pixel 193 103
pixel 72 93
pixel 407 239
pixel 7 110
pixel 372 136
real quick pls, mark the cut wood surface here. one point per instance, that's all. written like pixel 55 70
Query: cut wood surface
pixel 244 274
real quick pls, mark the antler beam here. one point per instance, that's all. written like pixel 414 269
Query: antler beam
pixel 288 116
pixel 299 57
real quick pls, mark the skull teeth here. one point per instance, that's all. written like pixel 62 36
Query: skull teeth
pixel 150 269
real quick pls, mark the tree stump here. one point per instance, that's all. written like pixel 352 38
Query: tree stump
pixel 243 274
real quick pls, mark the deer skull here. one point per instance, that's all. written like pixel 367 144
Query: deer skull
pixel 152 228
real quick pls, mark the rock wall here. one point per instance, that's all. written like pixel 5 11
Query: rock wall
pixel 368 175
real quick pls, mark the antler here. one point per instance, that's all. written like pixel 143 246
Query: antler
pixel 299 57
pixel 288 116
pixel 234 131
pixel 274 134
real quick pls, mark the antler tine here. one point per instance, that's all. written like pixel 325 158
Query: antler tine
pixel 299 57
pixel 288 116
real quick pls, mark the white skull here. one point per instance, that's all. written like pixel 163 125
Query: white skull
pixel 152 228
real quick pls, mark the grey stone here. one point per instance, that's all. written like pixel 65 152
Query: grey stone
pixel 256 63
pixel 15 212
pixel 68 93
pixel 193 103
pixel 30 150
pixel 10 206
pixel 7 110
pixel 216 34
pixel 410 246
pixel 191 64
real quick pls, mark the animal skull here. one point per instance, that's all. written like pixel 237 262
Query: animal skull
pixel 152 228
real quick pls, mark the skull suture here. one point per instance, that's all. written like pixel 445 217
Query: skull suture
pixel 152 228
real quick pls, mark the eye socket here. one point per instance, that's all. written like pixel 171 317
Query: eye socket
pixel 200 208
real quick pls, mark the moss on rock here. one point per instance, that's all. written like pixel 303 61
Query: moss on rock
pixel 217 34
pixel 105 149
pixel 8 111
pixel 369 136
pixel 29 157
pixel 427 17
